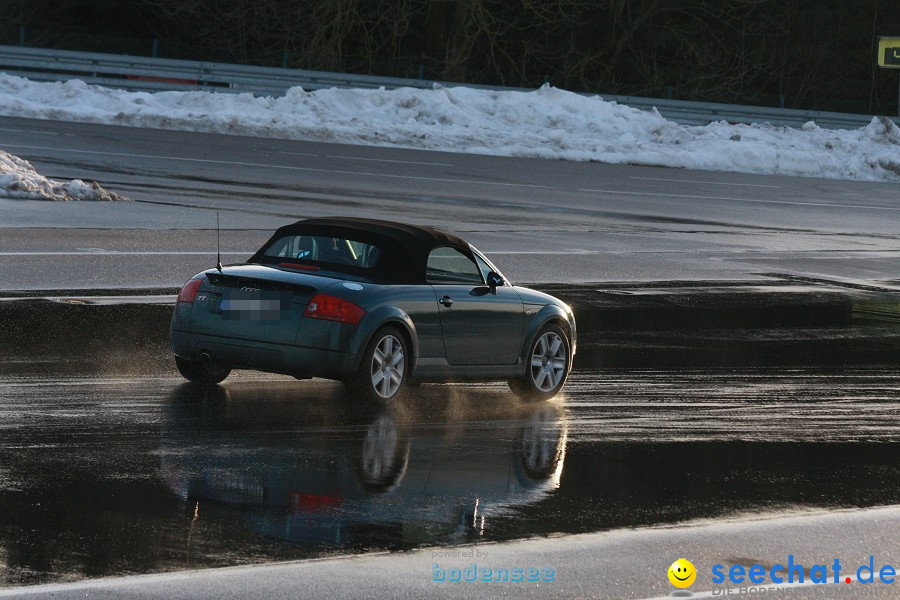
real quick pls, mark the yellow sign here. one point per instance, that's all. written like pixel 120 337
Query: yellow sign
pixel 889 52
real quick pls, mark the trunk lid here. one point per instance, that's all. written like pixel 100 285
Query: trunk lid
pixel 255 302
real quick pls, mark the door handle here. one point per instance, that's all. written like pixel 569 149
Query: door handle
pixel 446 301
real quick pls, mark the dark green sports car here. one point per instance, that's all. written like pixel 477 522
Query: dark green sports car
pixel 376 305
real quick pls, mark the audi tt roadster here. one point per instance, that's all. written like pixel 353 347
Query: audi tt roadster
pixel 375 304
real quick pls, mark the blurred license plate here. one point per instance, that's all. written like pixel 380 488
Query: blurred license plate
pixel 254 305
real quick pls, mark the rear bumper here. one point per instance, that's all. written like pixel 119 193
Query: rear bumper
pixel 299 361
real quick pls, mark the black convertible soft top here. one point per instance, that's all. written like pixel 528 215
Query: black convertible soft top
pixel 404 247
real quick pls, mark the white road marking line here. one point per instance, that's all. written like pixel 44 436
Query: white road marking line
pixel 28 131
pixel 754 200
pixel 298 153
pixel 776 187
pixel 389 160
pixel 121 253
pixel 268 166
pixel 545 251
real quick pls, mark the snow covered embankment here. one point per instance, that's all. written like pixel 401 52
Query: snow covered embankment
pixel 18 179
pixel 545 123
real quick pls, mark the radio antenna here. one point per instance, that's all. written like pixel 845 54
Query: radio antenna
pixel 218 248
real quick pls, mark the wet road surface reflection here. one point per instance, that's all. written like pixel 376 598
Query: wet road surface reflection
pixel 327 475
pixel 103 476
pixel 110 464
pixel 110 476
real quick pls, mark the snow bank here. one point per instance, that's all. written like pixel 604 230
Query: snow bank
pixel 546 123
pixel 18 179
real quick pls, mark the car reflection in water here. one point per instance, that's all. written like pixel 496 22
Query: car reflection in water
pixel 327 473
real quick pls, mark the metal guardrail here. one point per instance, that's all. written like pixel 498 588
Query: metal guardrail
pixel 703 113
pixel 142 73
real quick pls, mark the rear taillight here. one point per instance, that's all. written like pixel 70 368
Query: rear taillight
pixel 189 291
pixel 329 308
pixel 300 502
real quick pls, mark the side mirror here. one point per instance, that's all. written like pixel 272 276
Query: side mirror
pixel 494 280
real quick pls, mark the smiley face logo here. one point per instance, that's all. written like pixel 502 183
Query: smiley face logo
pixel 682 573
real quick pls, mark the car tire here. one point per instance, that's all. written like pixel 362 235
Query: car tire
pixel 382 378
pixel 201 372
pixel 549 360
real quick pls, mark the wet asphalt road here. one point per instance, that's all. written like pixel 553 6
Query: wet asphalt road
pixel 110 464
pixel 102 475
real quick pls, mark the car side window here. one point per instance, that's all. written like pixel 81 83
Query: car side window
pixel 485 269
pixel 449 265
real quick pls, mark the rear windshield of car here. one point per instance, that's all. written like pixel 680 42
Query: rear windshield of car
pixel 325 249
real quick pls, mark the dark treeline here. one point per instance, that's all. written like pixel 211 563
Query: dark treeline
pixel 800 53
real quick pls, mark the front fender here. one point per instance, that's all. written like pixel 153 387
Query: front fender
pixel 384 315
pixel 548 314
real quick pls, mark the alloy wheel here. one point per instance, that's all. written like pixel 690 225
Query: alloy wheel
pixel 548 361
pixel 388 365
